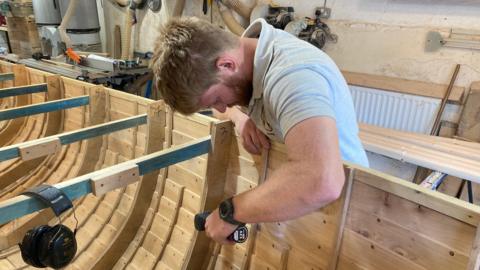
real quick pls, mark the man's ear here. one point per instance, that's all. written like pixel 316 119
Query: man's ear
pixel 226 64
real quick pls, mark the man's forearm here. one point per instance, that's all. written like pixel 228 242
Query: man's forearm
pixel 289 193
pixel 232 114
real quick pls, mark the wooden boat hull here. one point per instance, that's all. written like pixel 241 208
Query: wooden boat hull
pixel 379 222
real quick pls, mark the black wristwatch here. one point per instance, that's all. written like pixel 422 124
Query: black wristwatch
pixel 226 211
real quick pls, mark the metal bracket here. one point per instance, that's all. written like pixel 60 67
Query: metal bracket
pixel 39 149
pixel 323 12
pixel 114 178
pixel 455 39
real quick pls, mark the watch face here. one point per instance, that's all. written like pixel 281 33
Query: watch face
pixel 225 210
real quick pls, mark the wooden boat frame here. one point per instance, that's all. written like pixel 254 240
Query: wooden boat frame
pixel 379 222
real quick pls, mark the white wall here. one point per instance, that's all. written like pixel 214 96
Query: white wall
pixel 375 36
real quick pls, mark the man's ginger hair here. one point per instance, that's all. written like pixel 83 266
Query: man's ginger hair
pixel 184 61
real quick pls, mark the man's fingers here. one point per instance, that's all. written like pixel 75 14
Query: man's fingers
pixel 249 145
pixel 263 139
pixel 256 140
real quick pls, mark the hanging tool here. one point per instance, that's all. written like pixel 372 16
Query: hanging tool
pixel 240 234
pixel 205 7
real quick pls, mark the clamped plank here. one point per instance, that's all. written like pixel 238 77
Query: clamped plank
pixel 39 149
pixel 115 178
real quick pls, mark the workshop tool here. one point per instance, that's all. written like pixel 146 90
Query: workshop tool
pixel 240 234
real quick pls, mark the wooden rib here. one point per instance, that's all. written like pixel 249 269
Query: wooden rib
pixel 345 198
pixel 403 86
pixel 52 126
pixel 147 239
pixel 117 216
pixel 79 160
pixel 218 159
pixel 144 193
pixel 13 127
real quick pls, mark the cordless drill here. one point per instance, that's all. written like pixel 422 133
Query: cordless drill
pixel 240 234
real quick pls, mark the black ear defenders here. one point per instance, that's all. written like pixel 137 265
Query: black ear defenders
pixel 44 245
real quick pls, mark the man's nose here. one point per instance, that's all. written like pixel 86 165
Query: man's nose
pixel 220 107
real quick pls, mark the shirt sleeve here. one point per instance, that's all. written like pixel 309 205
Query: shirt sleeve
pixel 299 95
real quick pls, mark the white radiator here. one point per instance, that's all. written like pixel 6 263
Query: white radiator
pixel 394 110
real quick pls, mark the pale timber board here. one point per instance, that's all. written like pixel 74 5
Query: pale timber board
pixel 403 85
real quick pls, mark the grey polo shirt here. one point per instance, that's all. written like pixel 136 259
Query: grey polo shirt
pixel 293 81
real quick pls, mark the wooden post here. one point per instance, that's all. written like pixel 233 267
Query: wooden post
pixel 346 194
pixel 97 115
pixel 21 75
pixel 218 159
pixel 145 190
pixel 474 259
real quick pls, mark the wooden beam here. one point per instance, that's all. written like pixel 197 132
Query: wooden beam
pixel 80 186
pixel 448 156
pixel 6 76
pixel 23 90
pixel 13 151
pixel 394 84
pixel 49 106
pixel 437 201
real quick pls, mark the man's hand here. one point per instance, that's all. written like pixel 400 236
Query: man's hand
pixel 253 139
pixel 219 230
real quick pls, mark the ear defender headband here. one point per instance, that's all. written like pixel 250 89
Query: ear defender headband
pixel 54 246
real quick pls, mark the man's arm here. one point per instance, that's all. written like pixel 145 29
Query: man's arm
pixel 312 177
pixel 253 139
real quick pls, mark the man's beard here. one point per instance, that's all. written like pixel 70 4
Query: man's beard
pixel 242 89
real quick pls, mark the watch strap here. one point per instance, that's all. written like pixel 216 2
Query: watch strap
pixel 226 212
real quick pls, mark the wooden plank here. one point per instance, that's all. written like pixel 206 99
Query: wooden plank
pixel 23 90
pixel 272 251
pixel 370 255
pixel 442 203
pixel 410 244
pixel 48 106
pixel 80 186
pixel 423 221
pixel 458 166
pixel 6 76
pixel 42 147
pixel 12 151
pixel 403 86
pixel 113 179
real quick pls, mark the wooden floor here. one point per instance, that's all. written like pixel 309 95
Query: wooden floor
pixel 380 222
